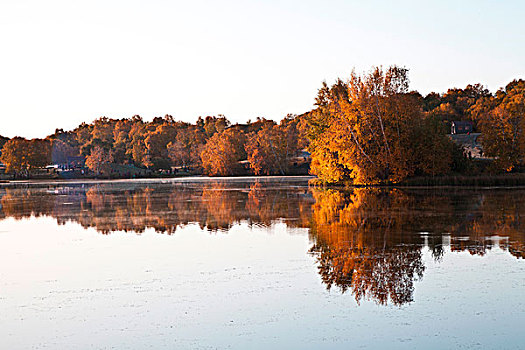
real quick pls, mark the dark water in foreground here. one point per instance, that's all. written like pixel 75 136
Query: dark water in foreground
pixel 259 263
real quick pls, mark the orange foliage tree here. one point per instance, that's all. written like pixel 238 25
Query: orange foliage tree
pixel 371 129
pixel 99 160
pixel 184 151
pixel 222 153
pixel 501 119
pixel 270 149
pixel 21 155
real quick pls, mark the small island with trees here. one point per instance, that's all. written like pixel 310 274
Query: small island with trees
pixel 369 129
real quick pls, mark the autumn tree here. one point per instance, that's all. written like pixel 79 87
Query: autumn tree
pixel 102 132
pixel 184 151
pixel 454 104
pixel 21 155
pixel 156 142
pixel 99 160
pixel 99 133
pixel 39 153
pixel 367 130
pixel 122 140
pixel 213 125
pixel 501 119
pixel 270 150
pixel 460 100
pixel 83 138
pixel 222 153
pixel 135 148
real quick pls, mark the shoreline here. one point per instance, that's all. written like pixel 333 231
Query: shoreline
pixel 181 179
pixel 514 180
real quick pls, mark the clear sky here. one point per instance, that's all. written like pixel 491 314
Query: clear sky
pixel 65 62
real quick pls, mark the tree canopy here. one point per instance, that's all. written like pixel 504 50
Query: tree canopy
pixel 20 155
pixel 501 120
pixel 372 129
pixel 367 129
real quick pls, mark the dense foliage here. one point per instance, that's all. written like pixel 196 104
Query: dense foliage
pixel 501 120
pixel 20 155
pixel 211 146
pixel 371 129
pixel 368 129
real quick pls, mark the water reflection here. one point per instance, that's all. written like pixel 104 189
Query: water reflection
pixel 370 241
pixel 367 242
pixel 134 207
pixel 361 243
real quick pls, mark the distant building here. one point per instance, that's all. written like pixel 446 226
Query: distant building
pixel 461 127
pixel 471 144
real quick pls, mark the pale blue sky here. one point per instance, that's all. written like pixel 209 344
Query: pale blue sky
pixel 65 62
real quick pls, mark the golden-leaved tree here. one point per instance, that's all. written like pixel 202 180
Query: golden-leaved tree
pixel 156 142
pixel 21 155
pixel 501 120
pixel 271 149
pixel 184 151
pixel 371 129
pixel 222 153
pixel 99 160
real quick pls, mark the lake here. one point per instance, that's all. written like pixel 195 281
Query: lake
pixel 258 263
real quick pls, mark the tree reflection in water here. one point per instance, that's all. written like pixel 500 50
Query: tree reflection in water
pixel 366 241
pixel 360 244
pixel 370 241
pixel 215 206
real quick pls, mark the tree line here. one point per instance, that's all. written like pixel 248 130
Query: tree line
pixel 212 146
pixel 368 129
pixel 372 129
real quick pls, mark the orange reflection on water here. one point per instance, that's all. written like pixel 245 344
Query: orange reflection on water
pixel 367 242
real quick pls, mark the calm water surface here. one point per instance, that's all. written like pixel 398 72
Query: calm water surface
pixel 259 263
